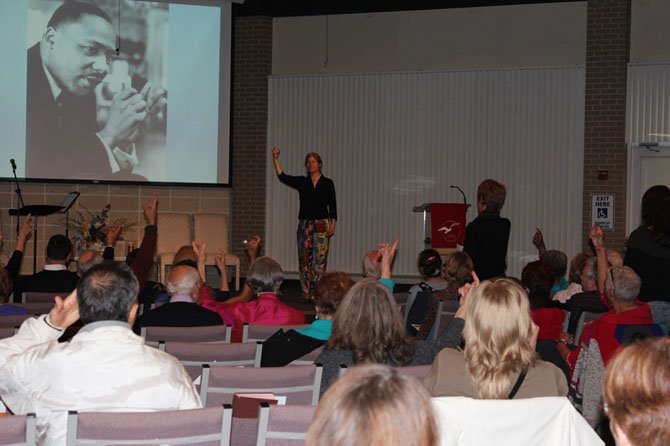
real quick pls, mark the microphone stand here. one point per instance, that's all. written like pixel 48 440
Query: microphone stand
pixel 462 193
pixel 17 191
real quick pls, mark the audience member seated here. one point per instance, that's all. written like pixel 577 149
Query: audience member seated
pixel 368 328
pixel 90 257
pixel 375 268
pixel 374 405
pixel 499 360
pixel 590 299
pixel 265 276
pixel 458 271
pixel 574 277
pixel 283 347
pixel 648 247
pixel 87 260
pixel 143 260
pixel 562 290
pixel 558 264
pixel 556 260
pixel 6 286
pixel 487 236
pixel 105 367
pixel 187 256
pixel 637 394
pixel 622 286
pixel 253 247
pixel 430 267
pixel 183 310
pixel 13 266
pixel 537 279
pixel 55 277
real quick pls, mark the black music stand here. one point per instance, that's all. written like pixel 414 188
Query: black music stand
pixel 37 210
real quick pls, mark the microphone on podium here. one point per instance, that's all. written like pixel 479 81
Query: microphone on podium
pixel 462 193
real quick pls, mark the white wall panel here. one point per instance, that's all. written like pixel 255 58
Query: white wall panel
pixel 393 141
pixel 648 103
pixel 647 120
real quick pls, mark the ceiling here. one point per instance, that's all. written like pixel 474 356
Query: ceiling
pixel 284 8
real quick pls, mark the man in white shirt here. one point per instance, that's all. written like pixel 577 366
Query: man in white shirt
pixel 105 367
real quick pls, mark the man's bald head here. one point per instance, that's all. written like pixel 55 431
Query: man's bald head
pixel 184 280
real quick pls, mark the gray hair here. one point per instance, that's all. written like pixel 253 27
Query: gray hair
pixel 95 259
pixel 182 280
pixel 265 275
pixel 624 282
pixel 371 265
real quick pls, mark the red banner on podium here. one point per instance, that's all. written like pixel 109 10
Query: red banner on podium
pixel 447 224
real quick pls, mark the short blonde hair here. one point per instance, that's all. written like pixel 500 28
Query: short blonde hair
pixel 492 194
pixel 637 392
pixel 497 334
pixel 374 405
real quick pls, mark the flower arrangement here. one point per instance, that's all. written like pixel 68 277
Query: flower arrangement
pixel 90 229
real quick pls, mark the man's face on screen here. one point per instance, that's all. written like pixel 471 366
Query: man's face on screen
pixel 77 53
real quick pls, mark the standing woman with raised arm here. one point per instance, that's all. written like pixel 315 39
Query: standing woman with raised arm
pixel 316 219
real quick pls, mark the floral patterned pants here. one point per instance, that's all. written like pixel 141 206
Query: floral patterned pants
pixel 313 242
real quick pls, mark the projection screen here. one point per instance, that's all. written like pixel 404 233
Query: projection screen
pixel 116 91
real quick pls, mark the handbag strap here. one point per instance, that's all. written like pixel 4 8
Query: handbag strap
pixel 517 385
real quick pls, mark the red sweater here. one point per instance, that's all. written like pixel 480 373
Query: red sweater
pixel 550 321
pixel 603 328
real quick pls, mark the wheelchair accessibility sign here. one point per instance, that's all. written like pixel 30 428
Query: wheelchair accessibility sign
pixel 602 210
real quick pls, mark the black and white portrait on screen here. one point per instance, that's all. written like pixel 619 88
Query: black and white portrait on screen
pixel 93 112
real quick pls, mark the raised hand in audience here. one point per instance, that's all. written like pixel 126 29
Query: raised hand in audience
pixel 220 260
pixel 387 253
pixel 200 256
pixel 538 241
pixel 65 312
pixel 465 292
pixel 113 233
pixel 151 211
pixel 25 232
pixel 597 236
pixel 253 246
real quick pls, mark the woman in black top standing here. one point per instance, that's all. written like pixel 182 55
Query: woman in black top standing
pixel 487 236
pixel 317 219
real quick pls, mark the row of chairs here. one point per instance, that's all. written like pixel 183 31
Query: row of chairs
pixel 277 425
pixel 550 420
pixel 442 319
pixel 193 355
pixel 214 333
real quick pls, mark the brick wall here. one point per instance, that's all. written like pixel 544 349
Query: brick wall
pixel 252 55
pixel 607 55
